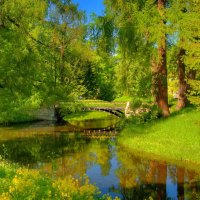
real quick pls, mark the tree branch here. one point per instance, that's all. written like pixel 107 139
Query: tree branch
pixel 30 36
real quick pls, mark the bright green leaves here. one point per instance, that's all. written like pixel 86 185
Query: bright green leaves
pixel 39 53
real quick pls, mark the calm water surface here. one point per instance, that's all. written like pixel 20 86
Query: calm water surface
pixel 61 151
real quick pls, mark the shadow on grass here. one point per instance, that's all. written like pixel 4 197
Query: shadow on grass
pixel 188 109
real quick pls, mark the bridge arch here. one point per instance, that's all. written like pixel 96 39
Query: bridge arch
pixel 114 111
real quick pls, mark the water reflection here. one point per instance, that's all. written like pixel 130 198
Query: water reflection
pixel 114 169
pixel 142 179
pixel 95 124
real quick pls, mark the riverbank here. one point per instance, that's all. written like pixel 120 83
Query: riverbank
pixel 176 138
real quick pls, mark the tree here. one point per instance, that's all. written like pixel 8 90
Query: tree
pixel 101 40
pixel 180 13
pixel 160 67
pixel 141 32
pixel 131 49
pixel 20 62
pixel 40 54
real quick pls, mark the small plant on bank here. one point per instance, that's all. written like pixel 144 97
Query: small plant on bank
pixel 143 111
pixel 136 103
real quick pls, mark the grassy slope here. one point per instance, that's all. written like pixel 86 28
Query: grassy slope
pixel 176 138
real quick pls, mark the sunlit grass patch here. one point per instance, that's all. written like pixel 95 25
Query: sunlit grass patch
pixel 123 99
pixel 175 138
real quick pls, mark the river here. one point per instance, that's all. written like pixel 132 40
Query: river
pixel 115 170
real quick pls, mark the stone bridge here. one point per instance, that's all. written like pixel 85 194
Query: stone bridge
pixel 114 111
pixel 47 114
pixel 52 113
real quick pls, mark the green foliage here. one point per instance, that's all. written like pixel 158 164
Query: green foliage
pixel 133 78
pixel 153 114
pixel 20 183
pixel 101 32
pixel 132 69
pixel 136 103
pixel 194 91
pixel 144 113
pixel 180 14
pixel 47 54
pixel 41 61
pixel 14 110
pixel 70 107
pixel 99 79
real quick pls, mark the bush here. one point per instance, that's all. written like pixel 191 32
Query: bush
pixel 136 103
pixel 25 184
pixel 145 114
pixel 153 114
pixel 21 183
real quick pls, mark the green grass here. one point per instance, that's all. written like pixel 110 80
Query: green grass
pixel 83 116
pixel 123 99
pixel 176 138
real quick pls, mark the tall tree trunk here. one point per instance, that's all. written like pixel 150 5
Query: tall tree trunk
pixel 182 97
pixel 160 69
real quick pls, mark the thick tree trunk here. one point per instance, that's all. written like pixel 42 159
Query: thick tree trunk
pixel 182 92
pixel 160 69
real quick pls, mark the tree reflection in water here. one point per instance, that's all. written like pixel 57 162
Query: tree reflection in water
pixel 147 179
pixel 129 176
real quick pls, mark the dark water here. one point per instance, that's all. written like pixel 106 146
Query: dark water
pixel 114 169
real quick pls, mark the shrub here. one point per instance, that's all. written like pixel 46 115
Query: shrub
pixel 21 183
pixel 26 184
pixel 145 113
pixel 153 113
pixel 136 103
